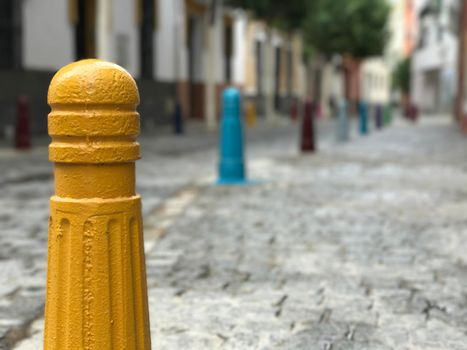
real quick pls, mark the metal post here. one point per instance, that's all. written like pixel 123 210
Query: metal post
pixel 96 280
pixel 363 117
pixel 23 128
pixel 308 130
pixel 231 164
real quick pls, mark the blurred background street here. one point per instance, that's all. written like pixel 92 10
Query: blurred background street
pixel 351 233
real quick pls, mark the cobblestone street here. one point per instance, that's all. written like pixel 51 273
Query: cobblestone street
pixel 361 246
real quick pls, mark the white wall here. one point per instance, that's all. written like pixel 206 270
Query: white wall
pixel 219 47
pixel 48 40
pixel 299 68
pixel 326 88
pixel 438 57
pixel 261 37
pixel 198 48
pixel 169 40
pixel 240 47
pixel 332 84
pixel 375 81
pixel 124 38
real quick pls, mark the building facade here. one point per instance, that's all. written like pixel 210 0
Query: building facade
pixel 402 27
pixel 183 51
pixel 375 80
pixel 435 59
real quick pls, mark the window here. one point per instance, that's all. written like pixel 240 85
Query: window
pixel 454 14
pixel 228 49
pixel 10 34
pixel 85 30
pixel 259 66
pixel 147 38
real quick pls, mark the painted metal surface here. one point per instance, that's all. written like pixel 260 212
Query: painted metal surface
pixel 378 116
pixel 96 279
pixel 250 114
pixel 342 122
pixel 307 143
pixel 23 128
pixel 178 121
pixel 294 110
pixel 363 117
pixel 231 153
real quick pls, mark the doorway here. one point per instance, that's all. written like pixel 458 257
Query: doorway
pixel 289 73
pixel 277 77
pixel 195 46
pixel 85 30
pixel 10 34
pixel 259 67
pixel 147 38
pixel 228 50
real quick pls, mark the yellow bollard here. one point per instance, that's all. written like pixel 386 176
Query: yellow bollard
pixel 96 279
pixel 250 114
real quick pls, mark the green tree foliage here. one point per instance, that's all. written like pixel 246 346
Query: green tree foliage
pixel 401 76
pixel 284 14
pixel 354 27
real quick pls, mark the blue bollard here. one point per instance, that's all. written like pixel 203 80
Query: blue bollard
pixel 378 116
pixel 363 117
pixel 178 119
pixel 342 122
pixel 231 164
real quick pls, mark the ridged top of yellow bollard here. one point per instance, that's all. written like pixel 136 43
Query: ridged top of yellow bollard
pixel 93 82
pixel 93 117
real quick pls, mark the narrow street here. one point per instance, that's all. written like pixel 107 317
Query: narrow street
pixel 146 110
pixel 360 246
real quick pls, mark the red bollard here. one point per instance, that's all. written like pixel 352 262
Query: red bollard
pixel 413 113
pixel 308 130
pixel 23 130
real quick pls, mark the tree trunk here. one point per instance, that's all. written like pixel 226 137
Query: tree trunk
pixel 352 81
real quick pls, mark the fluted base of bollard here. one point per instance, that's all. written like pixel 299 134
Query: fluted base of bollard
pixel 232 182
pixel 237 182
pixel 96 281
